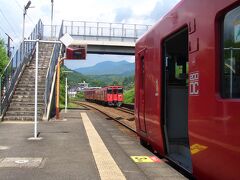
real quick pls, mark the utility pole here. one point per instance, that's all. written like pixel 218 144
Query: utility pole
pixel 25 8
pixel 8 46
pixel 66 93
pixel 60 61
pixel 52 20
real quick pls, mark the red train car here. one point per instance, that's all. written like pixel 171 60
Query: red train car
pixel 188 87
pixel 104 96
pixel 109 95
pixel 89 94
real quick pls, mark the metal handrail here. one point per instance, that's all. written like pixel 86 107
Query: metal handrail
pixel 50 73
pixel 15 67
pixel 57 50
pixel 102 22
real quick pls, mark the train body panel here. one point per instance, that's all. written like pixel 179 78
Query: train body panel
pixel 187 87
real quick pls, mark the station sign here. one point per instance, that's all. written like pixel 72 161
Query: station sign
pixel 76 52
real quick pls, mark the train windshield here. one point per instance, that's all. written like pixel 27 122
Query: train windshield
pixel 120 90
pixel 109 91
pixel 115 91
pixel 230 71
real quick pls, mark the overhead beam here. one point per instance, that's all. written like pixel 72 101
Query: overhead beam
pixel 107 47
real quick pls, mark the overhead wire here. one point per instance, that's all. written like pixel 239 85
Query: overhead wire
pixel 2 29
pixel 8 23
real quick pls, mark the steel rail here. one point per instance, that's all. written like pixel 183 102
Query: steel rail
pixel 115 119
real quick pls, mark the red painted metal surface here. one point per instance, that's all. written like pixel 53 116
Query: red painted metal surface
pixel 213 122
pixel 108 95
pixel 76 52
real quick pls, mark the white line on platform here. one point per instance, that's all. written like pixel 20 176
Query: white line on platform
pixel 17 122
pixel 107 167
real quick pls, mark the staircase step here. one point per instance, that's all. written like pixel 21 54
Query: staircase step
pixel 25 109
pixel 28 93
pixel 40 62
pixel 32 69
pixel 31 85
pixel 27 100
pixel 21 118
pixel 45 66
pixel 40 58
pixel 32 93
pixel 26 82
pixel 41 71
pixel 26 96
pixel 27 105
pixel 22 113
pixel 32 76
pixel 29 89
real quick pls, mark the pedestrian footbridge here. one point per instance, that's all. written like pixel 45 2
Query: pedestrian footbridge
pixel 17 92
pixel 101 37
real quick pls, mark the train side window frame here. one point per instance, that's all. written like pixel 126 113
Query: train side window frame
pixel 142 71
pixel 230 58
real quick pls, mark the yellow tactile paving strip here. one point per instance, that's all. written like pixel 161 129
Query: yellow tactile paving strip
pixel 107 167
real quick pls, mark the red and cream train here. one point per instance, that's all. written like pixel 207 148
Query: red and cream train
pixel 109 95
pixel 187 102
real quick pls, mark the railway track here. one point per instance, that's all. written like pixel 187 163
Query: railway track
pixel 130 111
pixel 122 115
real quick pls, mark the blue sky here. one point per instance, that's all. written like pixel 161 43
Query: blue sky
pixel 121 11
pixel 93 59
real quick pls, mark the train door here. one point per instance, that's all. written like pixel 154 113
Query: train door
pixel 175 83
pixel 120 96
pixel 115 95
pixel 141 112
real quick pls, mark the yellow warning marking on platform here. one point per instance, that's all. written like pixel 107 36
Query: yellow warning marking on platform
pixel 141 159
pixel 196 148
pixel 107 167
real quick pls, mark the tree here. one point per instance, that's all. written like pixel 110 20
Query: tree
pixel 3 56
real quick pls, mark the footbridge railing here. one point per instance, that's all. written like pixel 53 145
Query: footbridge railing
pixel 15 67
pixel 98 31
pixel 51 72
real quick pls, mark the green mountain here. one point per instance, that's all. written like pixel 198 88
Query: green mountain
pixel 109 68
pixel 97 80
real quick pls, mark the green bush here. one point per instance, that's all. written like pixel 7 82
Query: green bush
pixel 3 56
pixel 129 96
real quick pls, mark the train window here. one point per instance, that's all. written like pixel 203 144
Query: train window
pixel 120 90
pixel 177 70
pixel 181 70
pixel 231 55
pixel 109 91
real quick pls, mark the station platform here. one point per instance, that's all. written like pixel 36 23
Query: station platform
pixel 84 144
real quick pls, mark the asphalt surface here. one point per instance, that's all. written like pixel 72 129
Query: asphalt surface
pixel 64 151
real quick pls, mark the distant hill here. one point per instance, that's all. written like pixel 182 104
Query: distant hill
pixel 109 67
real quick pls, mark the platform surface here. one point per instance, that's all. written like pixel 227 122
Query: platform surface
pixel 83 145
